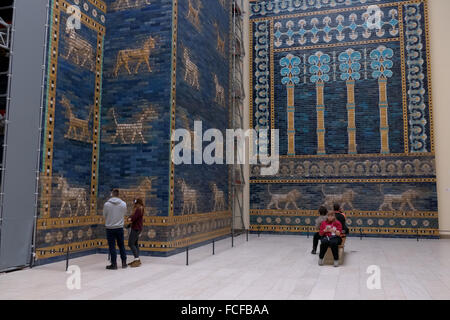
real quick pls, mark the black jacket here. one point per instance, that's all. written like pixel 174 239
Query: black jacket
pixel 340 217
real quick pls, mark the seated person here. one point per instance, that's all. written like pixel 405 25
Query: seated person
pixel 330 231
pixel 323 216
pixel 340 216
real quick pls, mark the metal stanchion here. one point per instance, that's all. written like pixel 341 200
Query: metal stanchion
pixel 417 233
pixel 360 233
pixel 67 259
pixel 232 239
pixel 214 251
pixel 32 260
pixel 187 255
pixel 247 234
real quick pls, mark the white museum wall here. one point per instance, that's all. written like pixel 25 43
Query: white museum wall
pixel 439 16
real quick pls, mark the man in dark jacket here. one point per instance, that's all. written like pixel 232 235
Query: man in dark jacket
pixel 341 218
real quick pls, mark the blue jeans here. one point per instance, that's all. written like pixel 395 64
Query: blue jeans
pixel 114 235
pixel 133 242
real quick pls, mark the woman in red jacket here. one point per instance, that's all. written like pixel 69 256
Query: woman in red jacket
pixel 136 228
pixel 330 230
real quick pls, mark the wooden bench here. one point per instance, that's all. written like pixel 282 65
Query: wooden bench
pixel 329 259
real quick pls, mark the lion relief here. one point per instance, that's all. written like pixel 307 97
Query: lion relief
pixel 404 199
pixel 288 198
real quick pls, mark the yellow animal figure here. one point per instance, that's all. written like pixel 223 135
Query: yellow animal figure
pixel 137 3
pixel 141 192
pixel 192 74
pixel 406 198
pixel 220 92
pixel 78 128
pixel 189 198
pixel 69 194
pixel 128 4
pixel 138 56
pixel 194 14
pixel 343 199
pixel 289 198
pixel 132 130
pixel 220 41
pixel 81 48
pixel 219 198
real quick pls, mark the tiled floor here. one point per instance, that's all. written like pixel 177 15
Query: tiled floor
pixel 270 267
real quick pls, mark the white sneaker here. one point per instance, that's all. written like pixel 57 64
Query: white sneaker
pixel 336 263
pixel 320 262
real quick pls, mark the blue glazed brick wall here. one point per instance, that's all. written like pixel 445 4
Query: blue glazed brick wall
pixel 374 176
pixel 129 85
pixel 124 163
pixel 336 114
pixel 198 98
pixel 68 169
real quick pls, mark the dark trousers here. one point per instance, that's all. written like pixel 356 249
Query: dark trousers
pixel 113 236
pixel 316 241
pixel 333 243
pixel 133 242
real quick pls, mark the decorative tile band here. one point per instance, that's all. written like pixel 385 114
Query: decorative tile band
pixel 56 251
pixel 276 7
pixel 173 104
pixel 382 232
pixel 262 83
pixel 304 31
pixel 317 181
pixel 61 250
pixel 370 167
pixel 154 246
pixel 416 77
pixel 70 222
pixel 265 9
pixel 353 214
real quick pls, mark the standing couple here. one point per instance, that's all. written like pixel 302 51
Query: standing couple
pixel 114 212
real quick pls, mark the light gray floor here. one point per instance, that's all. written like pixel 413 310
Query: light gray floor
pixel 270 267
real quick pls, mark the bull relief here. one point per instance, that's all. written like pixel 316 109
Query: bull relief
pixel 189 198
pixel 120 5
pixel 192 73
pixel 132 132
pixel 220 41
pixel 142 191
pixel 220 92
pixel 218 198
pixel 71 196
pixel 193 14
pixel 78 128
pixel 135 57
pixel 79 50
